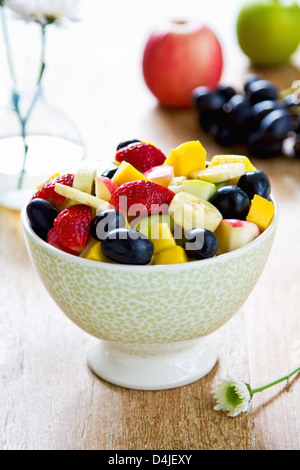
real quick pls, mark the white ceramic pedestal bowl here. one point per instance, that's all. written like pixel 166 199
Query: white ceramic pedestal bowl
pixel 151 325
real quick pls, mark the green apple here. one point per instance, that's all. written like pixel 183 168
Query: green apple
pixel 199 188
pixel 268 31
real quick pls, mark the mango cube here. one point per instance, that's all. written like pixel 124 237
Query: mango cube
pixel 261 212
pixel 222 159
pixel 186 158
pixel 173 255
pixel 95 254
pixel 126 173
pixel 161 237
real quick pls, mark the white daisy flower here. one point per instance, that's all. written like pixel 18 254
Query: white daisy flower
pixel 45 11
pixel 233 395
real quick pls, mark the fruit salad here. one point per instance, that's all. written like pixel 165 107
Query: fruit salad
pixel 148 208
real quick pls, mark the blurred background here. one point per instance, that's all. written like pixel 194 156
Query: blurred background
pixel 94 69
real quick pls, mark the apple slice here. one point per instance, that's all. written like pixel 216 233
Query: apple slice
pixel 145 224
pixel 199 188
pixel 161 174
pixel 234 233
pixel 105 187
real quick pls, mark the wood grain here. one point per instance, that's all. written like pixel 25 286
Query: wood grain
pixel 49 398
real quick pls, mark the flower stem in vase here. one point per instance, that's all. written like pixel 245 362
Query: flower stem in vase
pixel 30 126
pixel 24 121
pixel 7 46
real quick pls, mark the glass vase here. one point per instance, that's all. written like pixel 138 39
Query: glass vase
pixel 50 144
pixel 37 140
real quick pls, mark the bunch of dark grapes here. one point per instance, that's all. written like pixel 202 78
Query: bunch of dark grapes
pixel 257 117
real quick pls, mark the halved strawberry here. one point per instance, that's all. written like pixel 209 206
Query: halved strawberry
pixel 47 190
pixel 53 239
pixel 72 226
pixel 142 156
pixel 141 197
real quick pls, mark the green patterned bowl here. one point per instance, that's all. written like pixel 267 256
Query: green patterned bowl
pixel 150 324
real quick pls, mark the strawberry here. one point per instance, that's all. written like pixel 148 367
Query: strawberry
pixel 47 190
pixel 52 239
pixel 142 156
pixel 143 197
pixel 72 226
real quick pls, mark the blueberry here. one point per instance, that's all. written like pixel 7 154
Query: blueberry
pixel 109 173
pixel 238 109
pixel 207 100
pixel 277 124
pixel 226 91
pixel 255 182
pixel 262 146
pixel 200 243
pixel 127 142
pixel 251 78
pixel 225 134
pixel 41 215
pixel 232 202
pixel 261 90
pixel 262 108
pixel 206 119
pixel 297 125
pixel 297 146
pixel 106 221
pixel 127 246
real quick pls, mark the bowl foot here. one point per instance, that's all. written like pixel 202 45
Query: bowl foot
pixel 152 372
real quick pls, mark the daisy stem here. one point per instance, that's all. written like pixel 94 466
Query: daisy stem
pixel 8 46
pixel 43 53
pixel 36 95
pixel 286 377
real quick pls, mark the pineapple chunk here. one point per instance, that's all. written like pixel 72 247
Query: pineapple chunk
pixel 188 157
pixel 261 212
pixel 223 159
pixel 161 237
pixel 95 254
pixel 174 255
pixel 126 173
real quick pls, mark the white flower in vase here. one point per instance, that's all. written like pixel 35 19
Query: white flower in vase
pixel 45 11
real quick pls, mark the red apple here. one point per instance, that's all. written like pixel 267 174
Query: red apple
pixel 179 57
pixel 233 234
pixel 105 187
pixel 161 174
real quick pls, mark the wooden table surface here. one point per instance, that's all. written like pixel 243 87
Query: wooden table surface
pixel 49 397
